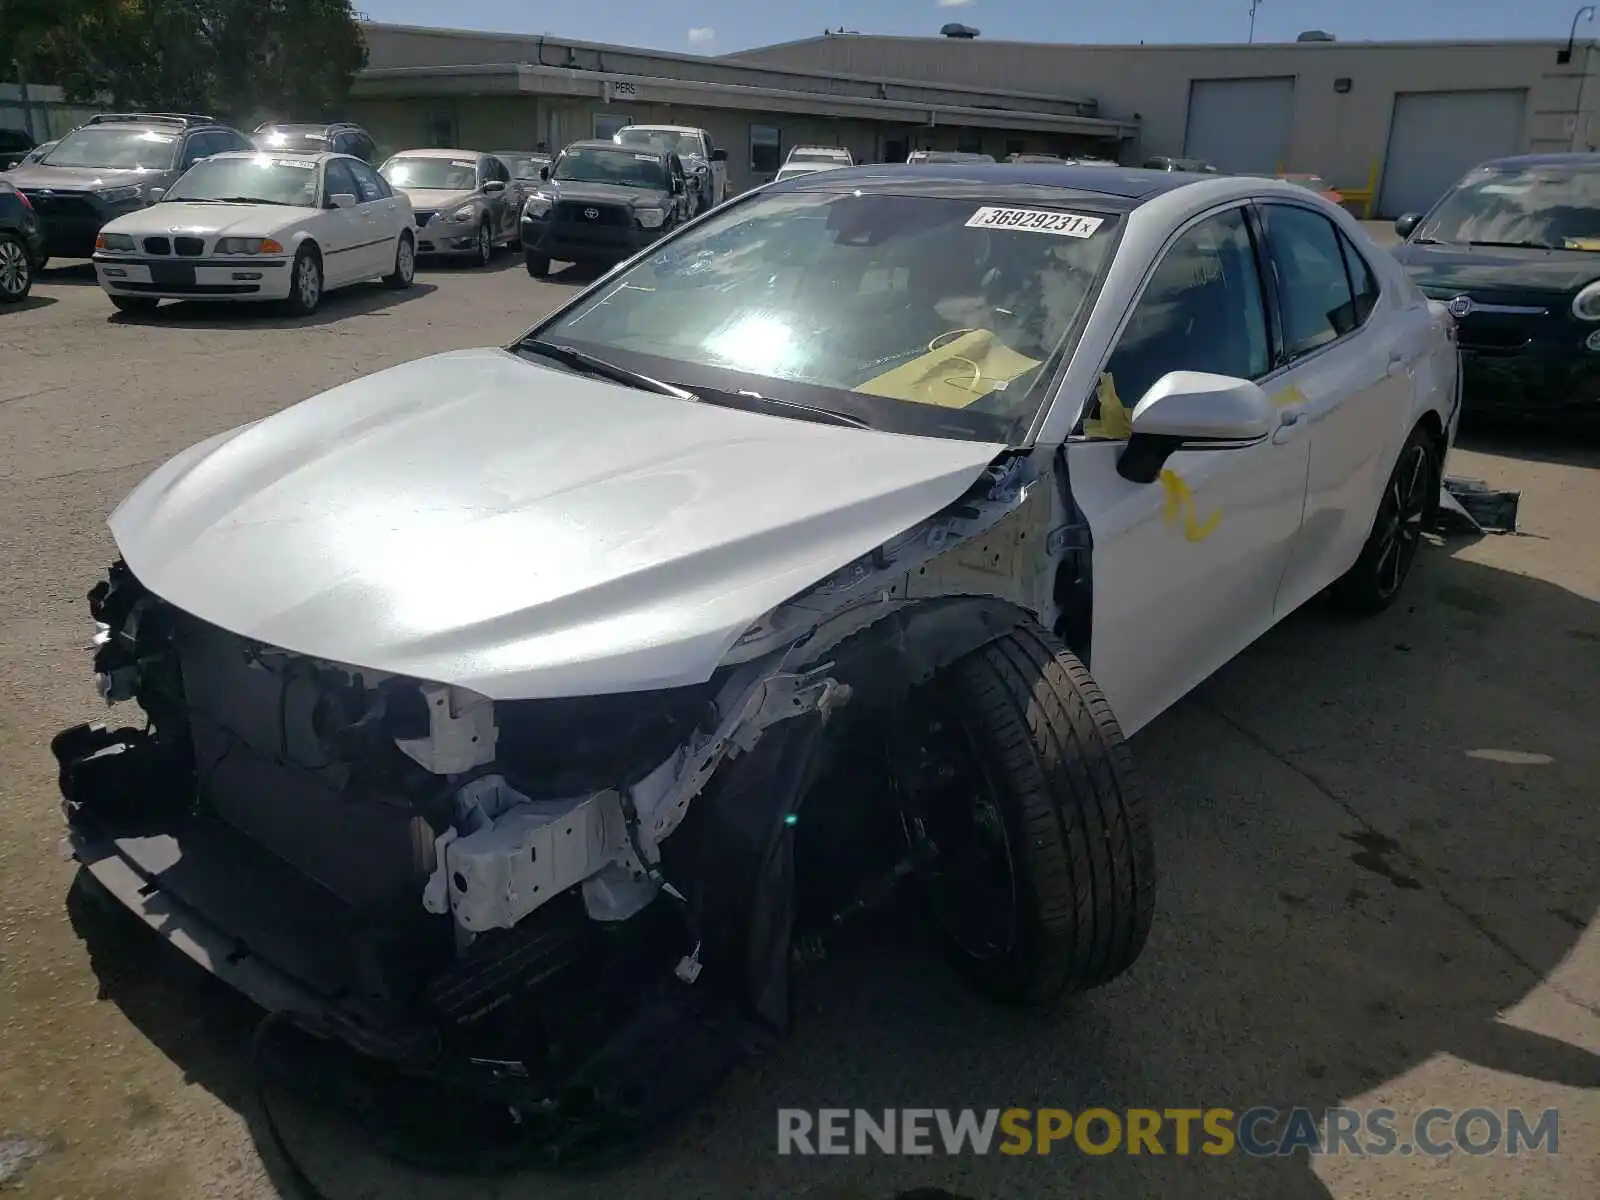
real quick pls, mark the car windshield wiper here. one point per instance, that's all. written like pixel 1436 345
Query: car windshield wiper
pixel 1515 245
pixel 594 365
pixel 832 415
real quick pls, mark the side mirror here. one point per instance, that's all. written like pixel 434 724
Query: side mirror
pixel 1406 224
pixel 544 172
pixel 719 155
pixel 341 200
pixel 154 195
pixel 494 187
pixel 1194 410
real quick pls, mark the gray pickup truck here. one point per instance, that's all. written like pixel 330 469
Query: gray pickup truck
pixel 600 203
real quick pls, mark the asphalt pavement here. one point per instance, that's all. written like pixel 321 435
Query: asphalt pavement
pixel 1377 841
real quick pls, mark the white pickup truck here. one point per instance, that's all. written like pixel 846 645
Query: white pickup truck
pixel 705 163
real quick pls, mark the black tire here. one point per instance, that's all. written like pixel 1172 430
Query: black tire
pixel 1078 845
pixel 1408 508
pixel 134 304
pixel 483 253
pixel 16 269
pixel 405 264
pixel 304 300
pixel 538 264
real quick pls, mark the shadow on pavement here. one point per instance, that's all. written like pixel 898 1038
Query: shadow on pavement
pixel 1376 837
pixel 68 271
pixel 338 305
pixel 33 301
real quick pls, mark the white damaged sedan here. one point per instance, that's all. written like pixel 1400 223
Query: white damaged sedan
pixel 525 714
pixel 258 226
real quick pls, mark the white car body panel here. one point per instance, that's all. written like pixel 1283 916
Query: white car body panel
pixel 479 520
pixel 1295 511
pixel 356 243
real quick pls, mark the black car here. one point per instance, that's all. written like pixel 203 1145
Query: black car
pixel 600 203
pixel 113 164
pixel 21 244
pixel 14 146
pixel 336 137
pixel 1513 251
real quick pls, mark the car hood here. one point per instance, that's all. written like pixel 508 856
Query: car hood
pixel 475 519
pixel 435 198
pixel 75 179
pixel 605 193
pixel 245 220
pixel 1498 268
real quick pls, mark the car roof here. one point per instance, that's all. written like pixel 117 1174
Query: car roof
pixel 311 156
pixel 440 152
pixel 608 144
pixel 1017 182
pixel 664 128
pixel 1578 159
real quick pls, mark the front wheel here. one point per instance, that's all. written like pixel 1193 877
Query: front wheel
pixel 538 264
pixel 1041 877
pixel 405 264
pixel 305 283
pixel 1410 498
pixel 483 252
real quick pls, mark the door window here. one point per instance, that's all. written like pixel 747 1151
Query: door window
pixel 1309 273
pixel 1363 283
pixel 607 125
pixel 339 180
pixel 369 183
pixel 765 143
pixel 1201 310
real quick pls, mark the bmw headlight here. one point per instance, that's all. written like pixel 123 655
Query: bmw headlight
pixel 1586 304
pixel 121 195
pixel 536 206
pixel 240 245
pixel 113 241
pixel 464 213
pixel 650 218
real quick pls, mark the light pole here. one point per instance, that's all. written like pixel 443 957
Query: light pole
pixel 1255 4
pixel 1586 13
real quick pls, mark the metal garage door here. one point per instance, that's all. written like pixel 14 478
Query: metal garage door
pixel 1240 125
pixel 1436 136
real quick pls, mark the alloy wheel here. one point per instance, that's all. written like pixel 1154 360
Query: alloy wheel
pixel 1401 518
pixel 308 283
pixel 485 245
pixel 407 261
pixel 15 270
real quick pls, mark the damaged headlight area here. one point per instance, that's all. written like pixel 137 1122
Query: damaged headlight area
pixel 425 873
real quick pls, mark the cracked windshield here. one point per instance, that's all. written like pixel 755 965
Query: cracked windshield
pixel 922 314
pixel 1555 207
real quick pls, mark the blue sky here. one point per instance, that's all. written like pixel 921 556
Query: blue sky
pixel 722 26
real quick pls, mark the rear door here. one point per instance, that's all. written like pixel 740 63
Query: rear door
pixel 1185 568
pixel 1349 362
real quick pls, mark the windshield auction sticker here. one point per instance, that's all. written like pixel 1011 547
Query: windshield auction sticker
pixel 1035 220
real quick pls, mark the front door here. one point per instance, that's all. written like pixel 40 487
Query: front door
pixel 343 232
pixel 1185 568
pixel 385 217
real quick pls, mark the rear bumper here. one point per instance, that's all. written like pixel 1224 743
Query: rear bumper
pixel 244 278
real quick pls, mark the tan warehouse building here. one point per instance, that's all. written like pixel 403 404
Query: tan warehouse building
pixel 1404 119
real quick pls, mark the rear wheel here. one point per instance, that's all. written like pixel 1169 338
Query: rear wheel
pixel 16 270
pixel 1041 876
pixel 1407 508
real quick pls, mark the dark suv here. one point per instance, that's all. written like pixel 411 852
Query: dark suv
pixel 338 137
pixel 21 244
pixel 113 164
pixel 14 146
pixel 600 203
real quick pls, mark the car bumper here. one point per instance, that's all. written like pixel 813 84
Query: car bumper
pixel 574 242
pixel 447 238
pixel 69 224
pixel 201 278
pixel 1531 383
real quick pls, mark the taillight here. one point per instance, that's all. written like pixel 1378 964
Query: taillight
pixel 26 203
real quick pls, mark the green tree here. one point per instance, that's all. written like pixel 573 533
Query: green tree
pixel 236 58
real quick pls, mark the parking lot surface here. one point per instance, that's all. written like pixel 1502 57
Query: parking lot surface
pixel 1377 840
